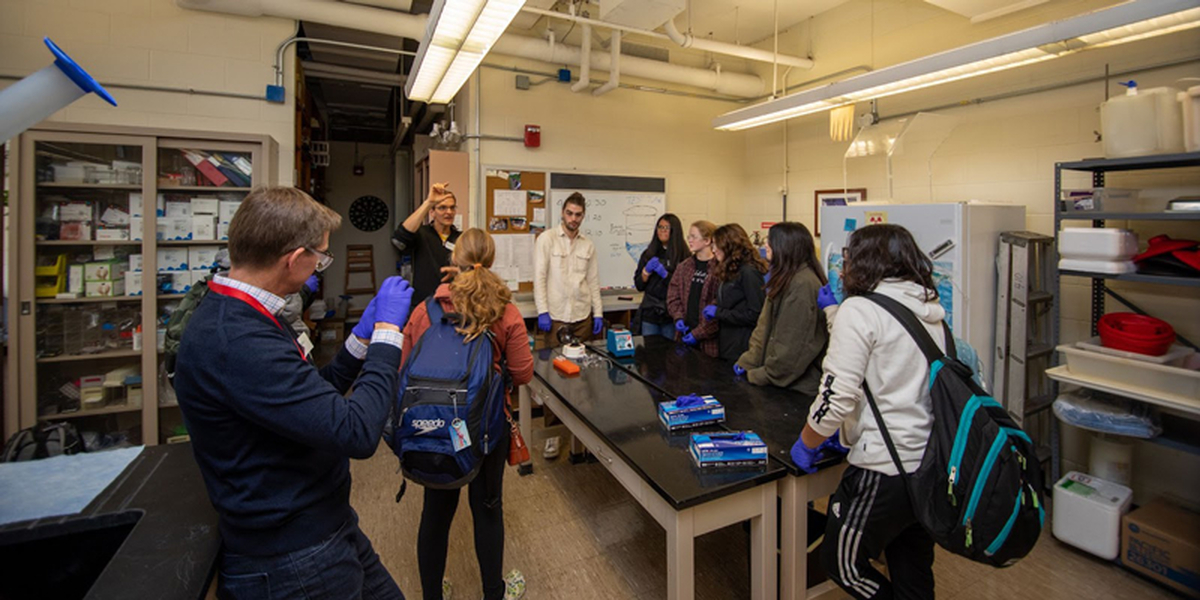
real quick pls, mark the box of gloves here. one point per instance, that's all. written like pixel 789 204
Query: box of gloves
pixel 687 412
pixel 728 449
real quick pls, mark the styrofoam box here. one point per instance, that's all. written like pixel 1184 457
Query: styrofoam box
pixel 1088 511
pixel 172 259
pixel 1109 267
pixel 1097 244
pixel 1135 378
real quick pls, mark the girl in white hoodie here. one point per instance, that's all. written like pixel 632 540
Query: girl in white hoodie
pixel 870 514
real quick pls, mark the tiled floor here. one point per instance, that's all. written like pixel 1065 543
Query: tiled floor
pixel 576 534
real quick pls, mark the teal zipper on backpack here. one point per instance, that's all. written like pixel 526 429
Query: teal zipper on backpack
pixel 986 471
pixel 960 437
pixel 1008 525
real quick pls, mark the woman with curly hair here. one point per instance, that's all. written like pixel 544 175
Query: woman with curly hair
pixel 739 270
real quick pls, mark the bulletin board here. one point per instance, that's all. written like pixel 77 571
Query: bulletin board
pixel 513 226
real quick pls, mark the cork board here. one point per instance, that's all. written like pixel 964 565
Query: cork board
pixel 501 220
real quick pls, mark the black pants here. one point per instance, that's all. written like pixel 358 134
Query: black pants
pixel 870 514
pixel 484 494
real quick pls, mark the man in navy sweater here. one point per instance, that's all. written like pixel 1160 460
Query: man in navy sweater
pixel 271 433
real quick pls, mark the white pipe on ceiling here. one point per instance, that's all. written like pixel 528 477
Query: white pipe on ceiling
pixel 686 40
pixel 585 66
pixel 387 22
pixel 614 61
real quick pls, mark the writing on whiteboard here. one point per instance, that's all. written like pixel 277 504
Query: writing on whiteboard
pixel 620 224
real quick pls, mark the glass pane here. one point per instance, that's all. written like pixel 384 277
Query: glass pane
pixel 88 192
pixel 192 168
pixel 65 163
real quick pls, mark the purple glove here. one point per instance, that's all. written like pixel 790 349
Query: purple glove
pixel 833 444
pixel 766 278
pixel 825 297
pixel 312 283
pixel 738 370
pixel 544 321
pixel 366 323
pixel 804 457
pixel 680 326
pixel 393 301
pixel 689 339
pixel 710 312
pixel 597 325
pixel 656 267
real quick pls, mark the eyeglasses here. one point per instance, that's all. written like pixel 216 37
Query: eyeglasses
pixel 324 258
pixel 664 227
pixel 450 208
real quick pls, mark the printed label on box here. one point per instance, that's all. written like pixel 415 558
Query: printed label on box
pixel 205 206
pixel 107 270
pixel 204 227
pixel 135 262
pixel 203 257
pixel 172 259
pixel 112 234
pixel 103 289
pixel 133 283
pixel 227 210
pixel 174 228
pixel 179 209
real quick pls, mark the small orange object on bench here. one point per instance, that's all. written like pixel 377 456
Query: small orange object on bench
pixel 565 366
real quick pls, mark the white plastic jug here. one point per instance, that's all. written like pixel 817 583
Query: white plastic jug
pixel 1142 123
pixel 1190 101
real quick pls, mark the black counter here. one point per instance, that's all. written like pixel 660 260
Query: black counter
pixel 623 412
pixel 160 501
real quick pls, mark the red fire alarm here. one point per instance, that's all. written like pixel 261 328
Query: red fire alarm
pixel 533 136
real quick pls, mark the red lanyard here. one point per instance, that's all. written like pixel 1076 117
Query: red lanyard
pixel 225 290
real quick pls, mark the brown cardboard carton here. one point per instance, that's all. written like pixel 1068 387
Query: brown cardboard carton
pixel 1162 542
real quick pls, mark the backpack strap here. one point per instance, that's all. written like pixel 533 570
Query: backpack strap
pixel 915 329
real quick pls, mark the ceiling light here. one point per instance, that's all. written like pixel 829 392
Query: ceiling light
pixel 1127 22
pixel 458 35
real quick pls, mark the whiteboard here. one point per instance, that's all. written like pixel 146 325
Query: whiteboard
pixel 619 223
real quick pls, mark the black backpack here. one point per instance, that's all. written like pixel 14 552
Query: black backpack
pixel 978 488
pixel 42 441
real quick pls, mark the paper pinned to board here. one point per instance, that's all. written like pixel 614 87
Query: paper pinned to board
pixel 514 256
pixel 509 203
pixel 539 217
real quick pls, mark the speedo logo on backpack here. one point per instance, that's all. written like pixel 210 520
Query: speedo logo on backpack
pixel 424 426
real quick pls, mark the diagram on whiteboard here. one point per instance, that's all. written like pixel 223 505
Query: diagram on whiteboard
pixel 620 224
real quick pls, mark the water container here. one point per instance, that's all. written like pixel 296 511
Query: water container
pixel 1190 100
pixel 1142 123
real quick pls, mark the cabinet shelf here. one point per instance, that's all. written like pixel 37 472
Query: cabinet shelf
pixel 1160 161
pixel 1137 278
pixel 99 356
pixel 171 296
pixel 90 186
pixel 1188 406
pixel 193 242
pixel 200 188
pixel 1132 216
pixel 89 242
pixel 79 414
pixel 90 299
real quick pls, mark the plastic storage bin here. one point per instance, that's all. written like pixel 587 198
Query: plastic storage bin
pixel 1097 244
pixel 1088 511
pixel 1094 199
pixel 1107 267
pixel 1142 122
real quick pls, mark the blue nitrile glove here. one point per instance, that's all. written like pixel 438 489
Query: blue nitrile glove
pixel 680 326
pixel 738 370
pixel 393 301
pixel 710 312
pixel 833 444
pixel 766 278
pixel 312 283
pixel 825 297
pixel 366 323
pixel 597 325
pixel 804 457
pixel 689 339
pixel 544 321
pixel 688 400
pixel 655 266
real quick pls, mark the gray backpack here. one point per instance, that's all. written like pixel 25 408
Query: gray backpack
pixel 43 441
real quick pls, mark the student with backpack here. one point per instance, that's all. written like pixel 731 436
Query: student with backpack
pixel 476 308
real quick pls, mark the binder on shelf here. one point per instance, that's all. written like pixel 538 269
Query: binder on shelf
pixel 229 170
pixel 206 168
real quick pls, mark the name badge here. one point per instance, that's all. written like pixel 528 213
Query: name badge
pixel 449 245
pixel 305 343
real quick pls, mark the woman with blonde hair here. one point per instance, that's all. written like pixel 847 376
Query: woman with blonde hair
pixel 482 303
pixel 692 288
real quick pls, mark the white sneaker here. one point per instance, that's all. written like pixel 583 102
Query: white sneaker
pixel 551 451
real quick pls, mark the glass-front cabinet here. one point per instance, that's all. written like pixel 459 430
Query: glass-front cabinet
pixel 111 229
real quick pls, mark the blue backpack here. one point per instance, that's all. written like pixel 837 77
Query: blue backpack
pixel 449 411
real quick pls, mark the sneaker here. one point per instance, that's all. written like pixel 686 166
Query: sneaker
pixel 447 591
pixel 514 585
pixel 551 451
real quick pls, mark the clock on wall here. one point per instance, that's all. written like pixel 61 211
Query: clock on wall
pixel 368 213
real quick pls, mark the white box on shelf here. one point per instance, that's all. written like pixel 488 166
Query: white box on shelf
pixel 198 275
pixel 223 231
pixel 75 279
pixel 202 257
pixel 135 262
pixel 1111 244
pixel 136 204
pixel 179 209
pixel 160 205
pixel 75 211
pixel 204 227
pixel 114 216
pixel 136 224
pixel 1107 267
pixel 227 210
pixel 104 289
pixel 172 259
pixel 181 282
pixel 205 206
pixel 104 253
pixel 174 228
pixel 1164 385
pixel 104 270
pixel 1088 511
pixel 1174 357
pixel 118 234
pixel 133 283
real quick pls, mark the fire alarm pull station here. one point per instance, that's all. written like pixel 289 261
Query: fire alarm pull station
pixel 533 136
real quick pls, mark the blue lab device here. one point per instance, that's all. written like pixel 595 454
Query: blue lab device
pixel 620 342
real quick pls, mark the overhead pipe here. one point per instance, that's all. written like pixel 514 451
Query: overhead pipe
pixel 327 71
pixel 365 18
pixel 585 65
pixel 614 62
pixel 283 46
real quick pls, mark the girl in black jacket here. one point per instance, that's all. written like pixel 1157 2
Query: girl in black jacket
pixel 740 298
pixel 666 250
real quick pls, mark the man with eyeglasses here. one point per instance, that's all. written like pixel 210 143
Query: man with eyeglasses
pixel 271 433
pixel 430 242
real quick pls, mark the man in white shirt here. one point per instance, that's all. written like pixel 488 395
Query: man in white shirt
pixel 566 285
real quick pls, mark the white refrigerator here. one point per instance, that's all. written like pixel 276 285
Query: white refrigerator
pixel 963 239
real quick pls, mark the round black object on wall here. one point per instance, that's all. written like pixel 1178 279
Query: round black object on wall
pixel 368 213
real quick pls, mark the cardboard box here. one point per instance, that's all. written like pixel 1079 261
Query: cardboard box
pixel 98 289
pixel 1162 541
pixel 223 231
pixel 136 225
pixel 172 259
pixel 112 234
pixel 133 283
pixel 205 206
pixel 75 279
pixel 204 227
pixel 675 417
pixel 75 211
pixel 227 210
pixel 104 253
pixel 202 257
pixel 135 262
pixel 114 216
pixel 105 270
pixel 728 449
pixel 174 228
pixel 75 231
pixel 179 210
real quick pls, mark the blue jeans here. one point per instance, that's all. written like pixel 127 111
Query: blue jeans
pixel 666 330
pixel 343 566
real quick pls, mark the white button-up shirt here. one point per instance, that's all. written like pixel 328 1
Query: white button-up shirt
pixel 566 283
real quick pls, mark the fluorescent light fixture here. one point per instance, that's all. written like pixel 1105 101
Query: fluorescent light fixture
pixel 1126 22
pixel 458 35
